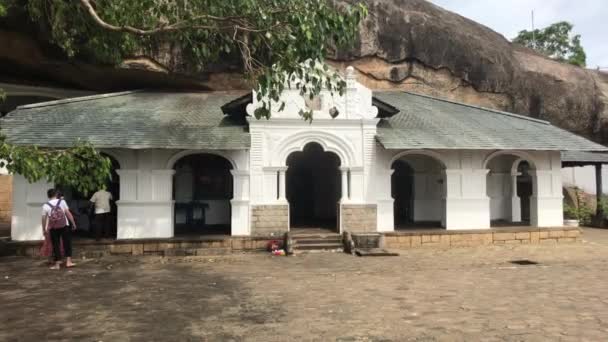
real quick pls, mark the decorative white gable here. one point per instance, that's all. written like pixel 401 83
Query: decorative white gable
pixel 354 104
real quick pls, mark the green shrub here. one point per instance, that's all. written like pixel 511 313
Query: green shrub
pixel 581 211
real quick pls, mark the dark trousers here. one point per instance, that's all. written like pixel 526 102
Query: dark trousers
pixel 57 236
pixel 102 223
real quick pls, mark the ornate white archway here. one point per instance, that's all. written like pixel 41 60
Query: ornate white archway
pixel 329 142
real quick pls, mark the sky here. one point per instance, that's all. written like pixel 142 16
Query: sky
pixel 508 17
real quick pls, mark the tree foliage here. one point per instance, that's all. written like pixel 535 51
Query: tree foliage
pixel 555 41
pixel 272 39
pixel 81 166
pixel 277 43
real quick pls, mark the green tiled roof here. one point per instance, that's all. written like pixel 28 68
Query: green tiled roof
pixel 134 120
pixel 431 123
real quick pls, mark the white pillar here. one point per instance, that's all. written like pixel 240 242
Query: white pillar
pixel 282 190
pixel 239 220
pixel 467 205
pixel 344 172
pixel 385 209
pixel 515 200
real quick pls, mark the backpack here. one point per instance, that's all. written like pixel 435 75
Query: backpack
pixel 56 217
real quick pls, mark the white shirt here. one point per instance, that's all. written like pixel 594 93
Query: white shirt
pixel 102 201
pixel 46 208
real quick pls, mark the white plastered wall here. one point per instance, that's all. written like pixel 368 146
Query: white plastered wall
pixel 350 135
pixel 584 178
pixel 146 205
pixel 466 203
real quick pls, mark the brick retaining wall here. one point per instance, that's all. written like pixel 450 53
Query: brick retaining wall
pixel 269 219
pixel 359 218
pixel 472 238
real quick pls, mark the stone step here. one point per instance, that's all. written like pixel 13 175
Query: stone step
pixel 315 236
pixel 309 241
pixel 318 246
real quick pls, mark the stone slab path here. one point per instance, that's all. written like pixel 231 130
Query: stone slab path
pixel 463 294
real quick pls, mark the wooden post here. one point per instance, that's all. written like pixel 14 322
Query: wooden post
pixel 599 212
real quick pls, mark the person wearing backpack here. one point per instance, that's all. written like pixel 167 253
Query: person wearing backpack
pixel 55 216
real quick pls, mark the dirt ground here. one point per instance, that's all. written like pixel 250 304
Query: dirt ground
pixel 467 294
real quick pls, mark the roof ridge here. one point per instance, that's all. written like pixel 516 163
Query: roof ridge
pixel 77 99
pixel 519 116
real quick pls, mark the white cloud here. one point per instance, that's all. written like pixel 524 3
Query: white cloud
pixel 590 19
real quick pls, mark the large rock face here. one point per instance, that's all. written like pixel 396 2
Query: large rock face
pixel 418 46
pixel 404 44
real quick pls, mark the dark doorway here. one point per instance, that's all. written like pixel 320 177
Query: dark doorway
pixel 524 190
pixel 313 188
pixel 402 188
pixel 202 190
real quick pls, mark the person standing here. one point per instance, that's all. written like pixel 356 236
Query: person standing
pixel 103 213
pixel 56 217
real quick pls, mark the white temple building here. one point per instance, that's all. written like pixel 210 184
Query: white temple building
pixel 199 163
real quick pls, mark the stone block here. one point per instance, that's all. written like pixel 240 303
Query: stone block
pixel 445 241
pixel 556 233
pixel 138 249
pixel 435 238
pixel 426 239
pixel 151 247
pixel 573 233
pixel 522 236
pixel 548 241
pixel 416 241
pixel 566 240
pixel 512 242
pixel 543 235
pixel 504 236
pixel 121 249
pixel 534 237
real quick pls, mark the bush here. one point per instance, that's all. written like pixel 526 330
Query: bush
pixel 581 210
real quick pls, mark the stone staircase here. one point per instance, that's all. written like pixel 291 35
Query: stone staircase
pixel 315 243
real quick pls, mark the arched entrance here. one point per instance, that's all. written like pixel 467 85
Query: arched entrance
pixel 313 188
pixel 418 191
pixel 80 203
pixel 202 190
pixel 510 188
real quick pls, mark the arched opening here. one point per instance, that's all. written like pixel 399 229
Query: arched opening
pixel 202 190
pixel 510 188
pixel 84 213
pixel 418 190
pixel 313 188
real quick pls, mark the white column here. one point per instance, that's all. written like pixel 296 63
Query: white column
pixel 385 209
pixel 239 220
pixel 282 189
pixel 467 205
pixel 344 175
pixel 515 200
pixel 145 213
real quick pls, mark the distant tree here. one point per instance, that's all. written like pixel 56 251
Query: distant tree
pixel 555 41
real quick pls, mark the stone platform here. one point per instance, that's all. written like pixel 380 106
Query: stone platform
pixel 178 246
pixel 221 244
pixel 471 238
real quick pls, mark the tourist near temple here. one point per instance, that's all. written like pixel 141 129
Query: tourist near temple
pixel 368 162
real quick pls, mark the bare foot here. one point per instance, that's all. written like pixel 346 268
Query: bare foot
pixel 55 267
pixel 70 264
